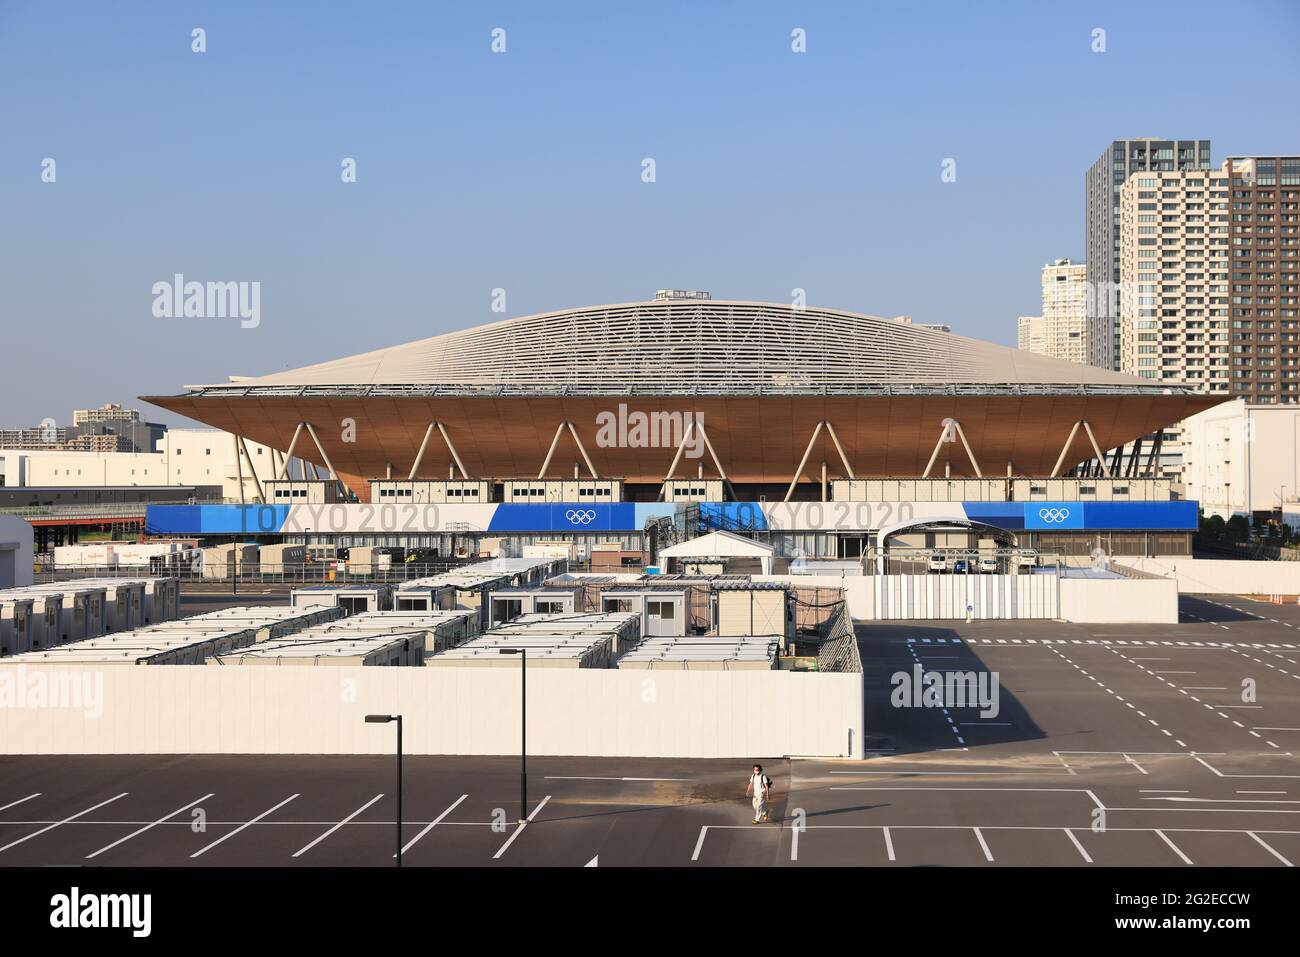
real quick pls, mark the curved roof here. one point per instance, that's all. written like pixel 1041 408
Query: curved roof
pixel 690 347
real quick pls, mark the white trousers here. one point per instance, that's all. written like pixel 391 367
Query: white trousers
pixel 760 806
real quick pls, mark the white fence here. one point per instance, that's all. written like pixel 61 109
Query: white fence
pixel 1224 576
pixel 179 709
pixel 950 596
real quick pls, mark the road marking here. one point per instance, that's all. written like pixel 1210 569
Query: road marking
pixel 988 855
pixel 28 798
pixel 147 827
pixel 64 821
pixel 1257 728
pixel 308 847
pixel 1165 837
pixel 699 845
pixel 1261 792
pixel 259 817
pixel 1079 847
pixel 889 845
pixel 520 829
pixel 434 823
pixel 1260 842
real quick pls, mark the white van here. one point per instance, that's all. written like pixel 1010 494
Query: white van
pixel 938 563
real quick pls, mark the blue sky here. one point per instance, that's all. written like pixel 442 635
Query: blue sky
pixel 522 170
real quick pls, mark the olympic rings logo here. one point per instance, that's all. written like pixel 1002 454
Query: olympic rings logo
pixel 1053 516
pixel 580 516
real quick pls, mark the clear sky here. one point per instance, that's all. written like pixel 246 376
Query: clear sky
pixel 523 170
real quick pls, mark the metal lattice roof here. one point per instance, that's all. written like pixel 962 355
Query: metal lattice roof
pixel 679 347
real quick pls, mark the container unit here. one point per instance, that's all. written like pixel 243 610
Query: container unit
pixel 425 594
pixel 162 599
pixel 429 491
pixel 154 646
pixel 302 492
pixel 15 623
pixel 589 640
pixel 693 490
pixel 575 491
pixel 267 621
pixel 226 561
pixel 81 613
pixel 321 554
pixel 373 559
pixel 749 653
pixel 90 555
pixel 441 629
pixel 282 559
pixel 336 648
pixel 753 608
pixel 662 610
pixel 509 603
pixel 352 598
pixel 123 604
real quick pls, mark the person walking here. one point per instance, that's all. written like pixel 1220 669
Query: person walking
pixel 759 789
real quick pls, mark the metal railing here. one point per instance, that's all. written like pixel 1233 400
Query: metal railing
pixel 838 651
pixel 313 573
pixel 106 510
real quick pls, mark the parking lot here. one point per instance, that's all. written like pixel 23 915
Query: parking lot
pixel 1111 745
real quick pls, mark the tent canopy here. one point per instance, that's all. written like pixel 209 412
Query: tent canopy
pixel 721 545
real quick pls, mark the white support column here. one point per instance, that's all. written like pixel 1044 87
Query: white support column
pixel 848 469
pixel 252 469
pixel 1093 439
pixel 325 458
pixel 452 449
pixel 559 430
pixel 1066 449
pixel 585 457
pixel 943 431
pixel 961 434
pixel 288 455
pixel 239 466
pixel 803 462
pixel 419 456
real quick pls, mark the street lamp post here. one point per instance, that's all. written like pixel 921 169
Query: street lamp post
pixel 523 728
pixel 385 719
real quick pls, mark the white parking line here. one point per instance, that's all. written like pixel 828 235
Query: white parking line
pixel 308 847
pixel 432 824
pixel 167 817
pixel 584 777
pixel 1164 837
pixel 520 829
pixel 64 821
pixel 988 855
pixel 20 801
pixel 259 817
pixel 1079 847
pixel 1260 842
pixel 889 845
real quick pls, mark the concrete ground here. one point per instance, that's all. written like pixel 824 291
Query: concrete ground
pixel 1112 745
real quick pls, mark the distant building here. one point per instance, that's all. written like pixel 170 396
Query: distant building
pixel 1264 263
pixel 1031 334
pixel 109 412
pixel 1061 331
pixel 1174 275
pixel 936 326
pixel 1101 209
pixel 1240 458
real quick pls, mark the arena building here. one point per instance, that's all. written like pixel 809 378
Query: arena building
pixel 814 428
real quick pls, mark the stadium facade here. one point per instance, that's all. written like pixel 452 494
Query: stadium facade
pixel 757 417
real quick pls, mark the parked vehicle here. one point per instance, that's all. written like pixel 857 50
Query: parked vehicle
pixel 938 563
pixel 988 565
pixel 1026 559
pixel 961 567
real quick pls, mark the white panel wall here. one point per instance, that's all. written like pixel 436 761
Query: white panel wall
pixel 1224 576
pixel 319 709
pixel 1112 600
pixel 947 596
